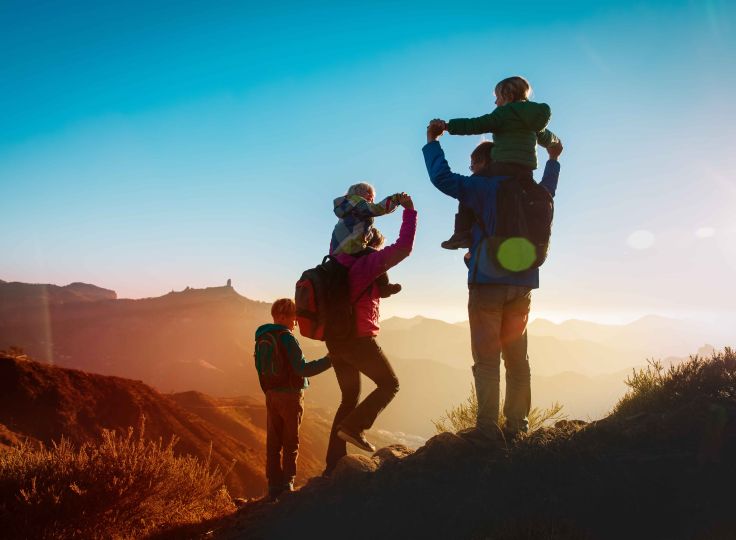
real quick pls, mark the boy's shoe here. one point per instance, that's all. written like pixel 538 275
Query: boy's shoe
pixel 358 440
pixel 274 492
pixel 387 290
pixel 458 241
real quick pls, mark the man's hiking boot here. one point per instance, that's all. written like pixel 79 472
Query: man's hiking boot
pixel 482 438
pixel 513 436
pixel 457 241
pixel 387 290
pixel 358 440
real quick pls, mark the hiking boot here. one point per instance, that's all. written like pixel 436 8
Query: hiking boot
pixel 513 435
pixel 457 241
pixel 387 290
pixel 274 492
pixel 358 439
pixel 481 437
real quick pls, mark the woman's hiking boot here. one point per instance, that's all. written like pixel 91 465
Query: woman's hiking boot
pixel 358 439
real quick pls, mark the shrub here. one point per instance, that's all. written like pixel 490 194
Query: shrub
pixel 463 416
pixel 120 486
pixel 656 389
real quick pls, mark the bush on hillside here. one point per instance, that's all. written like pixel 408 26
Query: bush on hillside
pixel 463 416
pixel 120 486
pixel 656 389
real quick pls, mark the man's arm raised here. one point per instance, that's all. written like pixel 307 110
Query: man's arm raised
pixel 552 169
pixel 439 170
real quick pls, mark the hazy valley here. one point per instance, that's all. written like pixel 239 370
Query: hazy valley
pixel 202 340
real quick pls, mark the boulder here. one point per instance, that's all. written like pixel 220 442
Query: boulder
pixel 353 466
pixel 444 448
pixel 391 454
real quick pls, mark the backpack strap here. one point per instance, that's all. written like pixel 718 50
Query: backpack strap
pixel 361 253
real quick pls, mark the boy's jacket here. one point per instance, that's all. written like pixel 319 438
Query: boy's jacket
pixel 517 128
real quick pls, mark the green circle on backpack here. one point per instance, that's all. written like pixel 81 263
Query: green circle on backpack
pixel 516 254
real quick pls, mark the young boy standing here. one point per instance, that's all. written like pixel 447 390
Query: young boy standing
pixel 282 372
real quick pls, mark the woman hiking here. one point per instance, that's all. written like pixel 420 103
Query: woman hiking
pixel 360 353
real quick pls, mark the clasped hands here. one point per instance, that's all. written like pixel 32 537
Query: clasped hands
pixel 435 129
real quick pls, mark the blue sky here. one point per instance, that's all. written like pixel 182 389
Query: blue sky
pixel 152 146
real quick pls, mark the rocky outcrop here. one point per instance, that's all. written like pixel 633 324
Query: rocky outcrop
pixel 662 466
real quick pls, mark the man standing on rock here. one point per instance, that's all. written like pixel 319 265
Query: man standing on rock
pixel 498 300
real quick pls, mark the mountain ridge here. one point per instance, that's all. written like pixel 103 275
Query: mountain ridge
pixel 660 466
pixel 42 404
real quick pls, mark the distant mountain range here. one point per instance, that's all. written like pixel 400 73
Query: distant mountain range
pixel 202 340
pixel 197 339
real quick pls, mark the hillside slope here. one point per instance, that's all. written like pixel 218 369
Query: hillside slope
pixel 663 465
pixel 43 403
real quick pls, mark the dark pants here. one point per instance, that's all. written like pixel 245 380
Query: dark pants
pixel 498 318
pixel 465 218
pixel 283 416
pixel 349 359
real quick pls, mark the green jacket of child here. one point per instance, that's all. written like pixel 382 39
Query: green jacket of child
pixel 517 128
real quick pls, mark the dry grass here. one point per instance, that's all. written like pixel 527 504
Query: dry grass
pixel 656 389
pixel 120 486
pixel 463 416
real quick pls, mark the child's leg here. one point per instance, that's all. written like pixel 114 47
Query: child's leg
pixel 293 408
pixel 463 223
pixel 274 430
pixel 511 169
pixel 464 220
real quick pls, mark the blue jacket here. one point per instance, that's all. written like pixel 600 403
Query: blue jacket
pixel 302 369
pixel 479 193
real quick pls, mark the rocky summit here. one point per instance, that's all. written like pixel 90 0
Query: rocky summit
pixel 662 465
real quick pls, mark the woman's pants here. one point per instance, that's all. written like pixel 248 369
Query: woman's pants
pixel 350 358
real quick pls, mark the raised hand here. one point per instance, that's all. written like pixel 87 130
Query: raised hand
pixel 439 122
pixel 405 201
pixel 555 150
pixel 435 129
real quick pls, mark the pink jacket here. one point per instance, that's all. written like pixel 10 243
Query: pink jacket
pixel 364 270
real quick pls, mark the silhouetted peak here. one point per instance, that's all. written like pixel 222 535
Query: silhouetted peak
pixel 15 293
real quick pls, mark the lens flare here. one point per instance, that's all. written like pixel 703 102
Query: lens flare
pixel 516 254
pixel 641 239
pixel 705 232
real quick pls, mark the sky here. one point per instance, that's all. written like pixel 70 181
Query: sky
pixel 150 146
